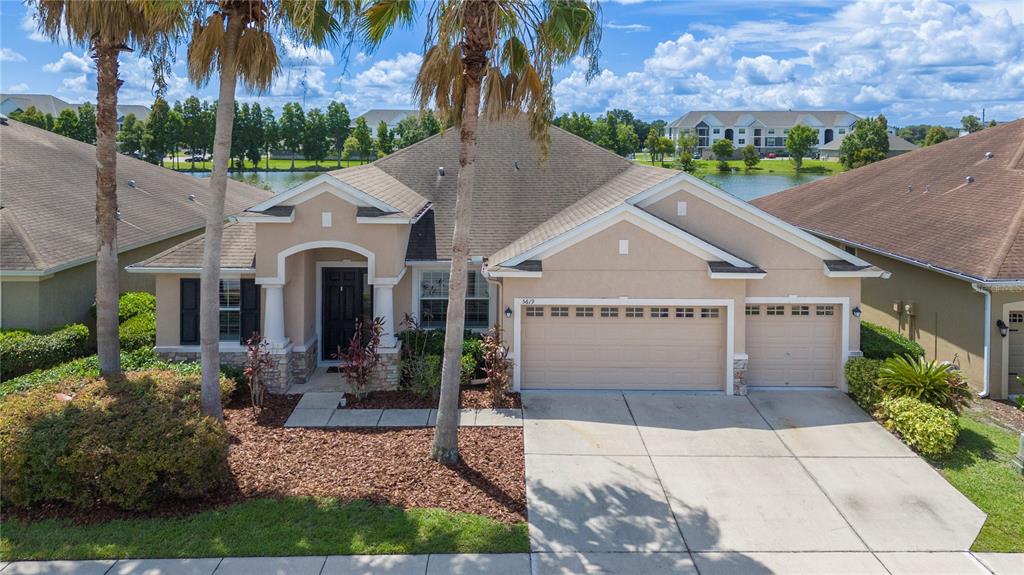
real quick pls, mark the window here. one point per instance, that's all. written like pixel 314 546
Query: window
pixel 743 141
pixel 842 130
pixel 709 312
pixel 771 130
pixel 716 131
pixel 852 250
pixel 800 310
pixel 560 311
pixel 634 312
pixel 434 299
pixel 684 312
pixel 753 310
pixel 659 312
pixel 824 310
pixel 609 312
pixel 786 131
pixel 230 310
pixel 585 311
pixel 1016 317
pixel 775 310
pixel 534 311
pixel 743 130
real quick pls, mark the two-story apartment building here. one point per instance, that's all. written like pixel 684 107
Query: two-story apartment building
pixel 765 130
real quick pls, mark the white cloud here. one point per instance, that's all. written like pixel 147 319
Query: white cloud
pixel 687 53
pixel 764 70
pixel 628 27
pixel 18 88
pixel 387 83
pixel 78 85
pixel 28 24
pixel 70 62
pixel 299 55
pixel 300 82
pixel 8 55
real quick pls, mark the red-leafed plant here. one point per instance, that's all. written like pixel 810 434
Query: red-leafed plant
pixel 257 363
pixel 361 359
pixel 497 365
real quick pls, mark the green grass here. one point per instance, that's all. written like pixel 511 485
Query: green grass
pixel 275 165
pixel 268 527
pixel 980 468
pixel 781 167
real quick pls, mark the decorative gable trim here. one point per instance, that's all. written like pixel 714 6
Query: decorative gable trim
pixel 306 191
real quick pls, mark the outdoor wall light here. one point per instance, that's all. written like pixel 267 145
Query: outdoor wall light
pixel 855 311
pixel 1003 328
pixel 508 313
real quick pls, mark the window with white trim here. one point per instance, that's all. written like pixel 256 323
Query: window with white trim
pixel 800 310
pixel 230 308
pixel 534 311
pixel 659 312
pixel 824 310
pixel 743 130
pixel 559 311
pixel 775 310
pixel 609 312
pixel 433 304
pixel 586 311
pixel 709 312
pixel 1016 317
pixel 753 310
pixel 634 312
pixel 743 141
pixel 684 312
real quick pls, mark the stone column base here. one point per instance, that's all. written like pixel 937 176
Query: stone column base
pixel 739 374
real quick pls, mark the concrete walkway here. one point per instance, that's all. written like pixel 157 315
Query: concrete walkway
pixel 699 563
pixel 320 409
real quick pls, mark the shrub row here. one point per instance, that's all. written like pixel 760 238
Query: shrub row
pixel 878 342
pixel 131 304
pixel 131 442
pixel 862 381
pixel 929 429
pixel 22 352
pixel 138 332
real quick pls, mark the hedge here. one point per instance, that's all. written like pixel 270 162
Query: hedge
pixel 131 442
pixel 878 342
pixel 21 353
pixel 930 430
pixel 131 304
pixel 862 381
pixel 138 331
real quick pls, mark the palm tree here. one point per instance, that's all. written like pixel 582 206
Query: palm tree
pixel 110 27
pixel 493 57
pixel 238 39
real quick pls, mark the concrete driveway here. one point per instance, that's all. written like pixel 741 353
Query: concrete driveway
pixel 803 471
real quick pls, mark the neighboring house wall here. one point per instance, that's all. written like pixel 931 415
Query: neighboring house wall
pixel 67 296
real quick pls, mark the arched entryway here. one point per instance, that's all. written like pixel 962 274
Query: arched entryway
pixel 728 134
pixel 829 135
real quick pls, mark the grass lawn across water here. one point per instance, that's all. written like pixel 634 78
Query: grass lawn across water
pixel 268 527
pixel 980 468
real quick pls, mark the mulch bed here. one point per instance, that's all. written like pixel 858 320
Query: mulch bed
pixel 1000 412
pixel 469 398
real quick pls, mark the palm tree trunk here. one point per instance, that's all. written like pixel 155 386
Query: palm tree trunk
pixel 107 343
pixel 474 60
pixel 209 286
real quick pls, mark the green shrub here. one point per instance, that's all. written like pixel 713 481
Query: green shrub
pixel 878 342
pixel 929 430
pixel 131 304
pixel 138 332
pixel 928 381
pixel 422 374
pixel 20 353
pixel 862 381
pixel 131 442
pixel 467 369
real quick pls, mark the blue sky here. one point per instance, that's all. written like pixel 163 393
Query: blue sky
pixel 916 61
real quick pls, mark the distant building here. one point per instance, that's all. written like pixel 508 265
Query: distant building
pixel 765 130
pixel 47 104
pixel 897 146
pixel 391 117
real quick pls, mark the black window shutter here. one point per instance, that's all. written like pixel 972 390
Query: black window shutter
pixel 250 308
pixel 189 302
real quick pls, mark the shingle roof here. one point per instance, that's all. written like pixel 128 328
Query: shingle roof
pixel 896 143
pixel 919 205
pixel 48 104
pixel 49 193
pixel 238 251
pixel 371 179
pixel 390 117
pixel 776 118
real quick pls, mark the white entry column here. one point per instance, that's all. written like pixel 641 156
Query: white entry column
pixel 384 307
pixel 273 321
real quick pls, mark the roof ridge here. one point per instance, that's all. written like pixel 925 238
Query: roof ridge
pixel 23 237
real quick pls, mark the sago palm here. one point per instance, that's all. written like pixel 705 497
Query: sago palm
pixel 491 57
pixel 238 39
pixel 109 27
pixel 929 381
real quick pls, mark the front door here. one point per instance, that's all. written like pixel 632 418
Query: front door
pixel 342 304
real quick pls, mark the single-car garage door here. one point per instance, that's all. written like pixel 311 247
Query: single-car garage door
pixel 622 347
pixel 793 345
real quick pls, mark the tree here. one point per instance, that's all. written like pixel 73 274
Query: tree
pixel 364 138
pixel 723 150
pixel 238 40
pixel 686 144
pixel 108 28
pixel 867 143
pixel 175 127
pixel 429 124
pixel 408 131
pixel 651 143
pixel 500 44
pixel 750 156
pixel 160 132
pixel 350 149
pixel 664 147
pixel 626 140
pixel 271 133
pixel 315 137
pixel 604 133
pixel 87 123
pixel 338 124
pixel 581 125
pixel 192 118
pixel 33 117
pixel 66 123
pixel 799 143
pixel 254 138
pixel 131 135
pixel 385 139
pixel 971 123
pixel 291 128
pixel 935 135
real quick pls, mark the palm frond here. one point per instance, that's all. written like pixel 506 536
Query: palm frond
pixel 257 61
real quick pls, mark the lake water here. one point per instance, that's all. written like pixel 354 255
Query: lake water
pixel 745 187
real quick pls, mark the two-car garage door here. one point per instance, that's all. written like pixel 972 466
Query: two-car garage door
pixel 619 347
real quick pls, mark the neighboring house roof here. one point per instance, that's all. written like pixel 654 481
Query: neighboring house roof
pixel 238 252
pixel 49 201
pixel 141 112
pixel 820 118
pixel 48 104
pixel 390 117
pixel 920 207
pixel 896 144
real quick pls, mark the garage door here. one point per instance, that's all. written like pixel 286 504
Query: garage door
pixel 794 345
pixel 620 347
pixel 1016 342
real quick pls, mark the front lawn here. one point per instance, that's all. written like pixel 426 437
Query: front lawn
pixel 776 167
pixel 268 527
pixel 979 467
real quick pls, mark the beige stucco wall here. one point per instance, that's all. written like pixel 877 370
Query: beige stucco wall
pixel 67 296
pixel 386 241
pixel 1004 302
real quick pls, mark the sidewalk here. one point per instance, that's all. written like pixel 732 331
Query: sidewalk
pixel 832 563
pixel 320 409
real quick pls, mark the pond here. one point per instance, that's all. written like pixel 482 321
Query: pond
pixel 748 187
pixel 277 182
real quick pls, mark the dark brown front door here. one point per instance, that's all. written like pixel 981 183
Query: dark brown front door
pixel 342 304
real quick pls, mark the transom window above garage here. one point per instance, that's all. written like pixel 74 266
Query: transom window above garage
pixel 753 310
pixel 684 312
pixel 659 312
pixel 534 311
pixel 559 311
pixel 709 312
pixel 585 311
pixel 800 310
pixel 824 310
pixel 634 312
pixel 775 310
pixel 609 312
